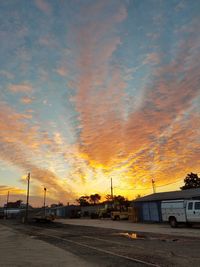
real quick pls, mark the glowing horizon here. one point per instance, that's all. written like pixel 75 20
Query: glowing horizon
pixel 94 89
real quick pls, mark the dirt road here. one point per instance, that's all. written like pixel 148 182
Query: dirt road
pixel 107 247
pixel 19 249
pixel 154 228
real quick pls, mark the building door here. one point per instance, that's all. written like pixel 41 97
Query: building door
pixel 145 212
pixel 150 212
pixel 154 215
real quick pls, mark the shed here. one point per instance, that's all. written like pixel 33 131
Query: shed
pixel 70 211
pixel 150 206
pixel 87 211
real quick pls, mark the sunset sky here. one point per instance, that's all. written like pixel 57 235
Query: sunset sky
pixel 97 89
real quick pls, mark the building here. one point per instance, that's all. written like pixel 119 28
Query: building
pixel 13 209
pixel 91 210
pixel 1 213
pixel 149 207
pixel 70 211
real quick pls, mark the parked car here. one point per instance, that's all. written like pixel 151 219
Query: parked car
pixel 119 215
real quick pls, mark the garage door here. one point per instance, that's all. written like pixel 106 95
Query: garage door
pixel 145 211
pixel 150 212
pixel 154 216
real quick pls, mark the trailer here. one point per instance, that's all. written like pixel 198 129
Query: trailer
pixel 37 215
pixel 181 211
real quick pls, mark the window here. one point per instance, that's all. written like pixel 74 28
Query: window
pixel 190 206
pixel 197 205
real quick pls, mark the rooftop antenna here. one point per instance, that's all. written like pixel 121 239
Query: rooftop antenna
pixel 45 191
pixel 153 185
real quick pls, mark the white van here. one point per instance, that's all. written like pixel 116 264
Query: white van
pixel 180 211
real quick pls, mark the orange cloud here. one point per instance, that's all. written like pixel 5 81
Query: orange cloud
pixel 26 100
pixel 20 149
pixel 129 138
pixel 12 190
pixel 21 88
pixel 146 142
pixel 19 194
pixel 62 71
pixel 100 85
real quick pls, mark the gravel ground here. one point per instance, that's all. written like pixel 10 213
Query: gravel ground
pixel 137 227
pixel 19 249
pixel 93 246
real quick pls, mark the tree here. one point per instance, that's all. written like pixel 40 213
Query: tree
pixel 120 202
pixel 191 181
pixel 95 198
pixel 138 196
pixel 17 204
pixel 119 199
pixel 83 200
pixel 109 198
pixel 60 204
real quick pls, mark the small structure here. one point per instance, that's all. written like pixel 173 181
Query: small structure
pixel 13 209
pixel 1 213
pixel 91 210
pixel 149 207
pixel 69 211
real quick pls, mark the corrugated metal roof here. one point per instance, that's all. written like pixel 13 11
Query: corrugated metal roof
pixel 184 194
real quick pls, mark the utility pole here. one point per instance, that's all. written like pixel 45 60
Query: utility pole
pixel 45 190
pixel 153 185
pixel 111 188
pixel 27 197
pixel 7 204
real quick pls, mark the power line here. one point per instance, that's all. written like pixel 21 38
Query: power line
pixel 170 183
pixel 148 188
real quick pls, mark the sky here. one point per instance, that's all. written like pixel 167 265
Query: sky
pixel 97 89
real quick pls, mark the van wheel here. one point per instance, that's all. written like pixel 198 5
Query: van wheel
pixel 173 222
pixel 189 225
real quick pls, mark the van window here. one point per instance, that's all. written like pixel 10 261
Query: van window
pixel 197 205
pixel 190 206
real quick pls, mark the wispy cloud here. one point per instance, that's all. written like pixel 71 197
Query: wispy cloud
pixel 44 6
pixel 21 88
pixel 99 83
pixel 112 93
pixel 26 100
pixel 106 135
pixel 6 74
pixel 62 71
pixel 152 59
pixel 18 148
pixel 13 190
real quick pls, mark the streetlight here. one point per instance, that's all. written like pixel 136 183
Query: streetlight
pixel 45 190
pixel 27 197
pixel 7 204
pixel 111 188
